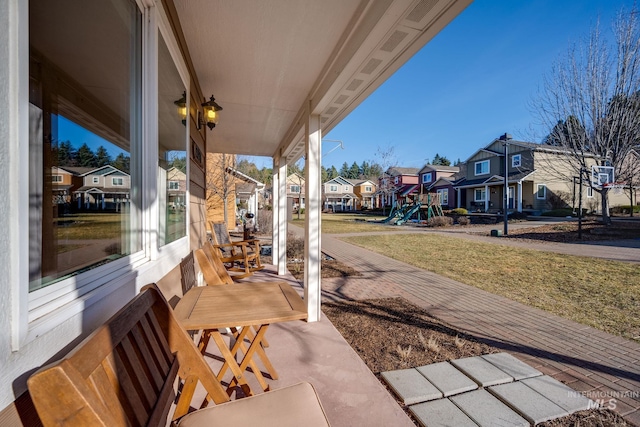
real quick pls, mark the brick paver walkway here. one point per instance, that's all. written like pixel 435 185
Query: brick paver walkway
pixel 606 368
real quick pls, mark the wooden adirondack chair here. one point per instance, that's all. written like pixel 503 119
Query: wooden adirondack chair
pixel 238 256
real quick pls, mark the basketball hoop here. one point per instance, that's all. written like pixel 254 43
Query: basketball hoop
pixel 616 188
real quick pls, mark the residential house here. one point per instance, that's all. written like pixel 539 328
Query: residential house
pixel 248 193
pixel 398 186
pixel 117 70
pixel 536 176
pixel 295 191
pixel 365 191
pixel 440 180
pixel 64 180
pixel 104 188
pixel 338 195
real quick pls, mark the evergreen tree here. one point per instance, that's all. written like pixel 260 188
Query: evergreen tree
pixel 85 157
pixel 332 172
pixel 344 170
pixel 441 161
pixel 66 154
pixel 324 174
pixel 122 162
pixel 354 171
pixel 102 157
pixel 365 169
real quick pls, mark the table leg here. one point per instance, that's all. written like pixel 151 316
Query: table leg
pixel 230 362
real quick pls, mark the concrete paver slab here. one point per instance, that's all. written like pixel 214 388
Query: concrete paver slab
pixel 512 366
pixel 527 402
pixel 487 411
pixel 411 386
pixel 560 394
pixel 481 371
pixel 441 413
pixel 447 378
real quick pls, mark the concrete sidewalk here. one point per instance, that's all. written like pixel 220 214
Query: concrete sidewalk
pixel 604 367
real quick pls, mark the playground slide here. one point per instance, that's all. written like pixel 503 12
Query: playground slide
pixel 395 214
pixel 412 209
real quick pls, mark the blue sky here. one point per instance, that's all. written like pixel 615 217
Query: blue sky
pixel 472 83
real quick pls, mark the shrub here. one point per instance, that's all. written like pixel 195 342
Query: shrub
pixel 463 220
pixel 624 209
pixel 301 211
pixel 295 246
pixel 440 221
pixel 265 221
pixel 558 212
pixel 459 211
pixel 517 215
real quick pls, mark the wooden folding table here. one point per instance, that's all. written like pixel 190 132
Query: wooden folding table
pixel 211 308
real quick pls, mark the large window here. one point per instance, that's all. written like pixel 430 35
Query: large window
pixel 482 168
pixel 479 195
pixel 172 149
pixel 84 116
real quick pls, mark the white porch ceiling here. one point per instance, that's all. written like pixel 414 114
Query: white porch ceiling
pixel 266 62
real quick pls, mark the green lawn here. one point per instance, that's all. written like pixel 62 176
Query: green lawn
pixel 600 293
pixel 90 226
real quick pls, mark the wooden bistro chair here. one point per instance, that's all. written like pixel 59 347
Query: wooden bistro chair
pixel 241 256
pixel 215 274
pixel 142 369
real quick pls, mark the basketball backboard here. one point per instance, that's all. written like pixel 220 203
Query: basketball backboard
pixel 601 175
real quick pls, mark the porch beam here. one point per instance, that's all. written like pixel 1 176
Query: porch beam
pixel 312 243
pixel 487 195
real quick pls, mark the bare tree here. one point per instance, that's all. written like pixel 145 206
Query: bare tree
pixel 221 185
pixel 589 102
pixel 386 159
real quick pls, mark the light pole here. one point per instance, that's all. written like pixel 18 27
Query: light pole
pixel 505 139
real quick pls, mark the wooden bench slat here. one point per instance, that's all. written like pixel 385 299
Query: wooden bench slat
pixel 149 362
pixel 138 414
pixel 139 374
pixel 104 387
pixel 162 355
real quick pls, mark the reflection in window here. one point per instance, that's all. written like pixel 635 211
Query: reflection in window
pixel 172 149
pixel 84 117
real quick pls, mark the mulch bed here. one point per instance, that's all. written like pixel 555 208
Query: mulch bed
pixel 567 232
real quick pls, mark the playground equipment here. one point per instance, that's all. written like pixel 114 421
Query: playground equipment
pixel 408 213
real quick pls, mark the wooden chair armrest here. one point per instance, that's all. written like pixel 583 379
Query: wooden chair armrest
pixel 227 245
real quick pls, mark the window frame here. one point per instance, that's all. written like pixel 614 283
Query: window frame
pixel 333 188
pixel 475 194
pixel 589 192
pixel 516 160
pixel 368 188
pixel 480 163
pixel 427 177
pixel 38 312
pixel 292 188
pixel 119 178
pixel 544 191
pixel 444 194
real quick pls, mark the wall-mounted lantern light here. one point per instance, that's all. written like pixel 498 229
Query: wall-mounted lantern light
pixel 182 108
pixel 211 109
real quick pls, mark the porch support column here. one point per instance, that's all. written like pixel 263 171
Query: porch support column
pixel 487 196
pixel 519 196
pixel 312 220
pixel 459 197
pixel 279 241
